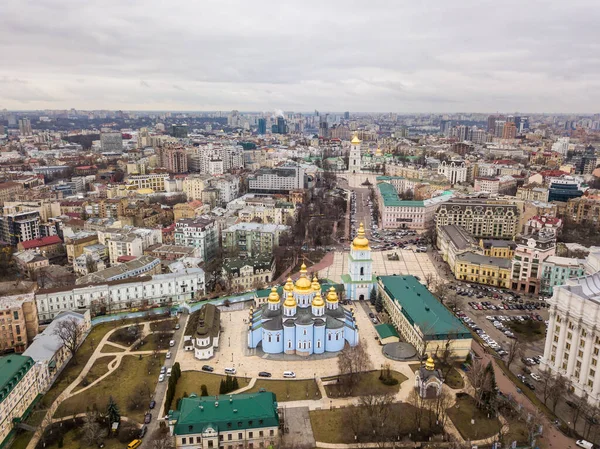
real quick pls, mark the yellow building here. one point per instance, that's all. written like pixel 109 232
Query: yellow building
pixel 75 245
pixel 504 249
pixel 481 269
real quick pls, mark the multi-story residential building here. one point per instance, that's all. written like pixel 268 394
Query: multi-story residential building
pixel 557 270
pixel 29 262
pixel 49 352
pixel 144 265
pixel 396 213
pixel 504 249
pixel 537 223
pixel 452 240
pixel 124 245
pixel 112 296
pixel 94 258
pixel 9 190
pixel 480 218
pixel 25 127
pixel 77 242
pixel 111 142
pixel 18 390
pixel 20 227
pixel 194 185
pixel 249 274
pixel 50 247
pixel 236 421
pixel 228 187
pixel 155 181
pixel 421 319
pixel 564 189
pixel 531 251
pixel 533 192
pixel 280 213
pixel 584 211
pixel 482 269
pixel 18 316
pixel 455 172
pixel 252 239
pixel 228 157
pixel 201 233
pixel 572 348
pixel 502 185
pixel 277 180
pixel 172 158
pixel 48 209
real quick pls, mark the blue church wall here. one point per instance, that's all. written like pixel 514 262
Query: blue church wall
pixel 304 339
pixel 319 344
pixel 335 340
pixel 254 337
pixel 289 336
pixel 272 341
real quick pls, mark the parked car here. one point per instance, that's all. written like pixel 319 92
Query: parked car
pixel 147 418
pixel 536 377
pixel 161 377
pixel 172 343
pixel 168 355
pixel 264 374
pixel 143 431
pixel 207 368
pixel 152 404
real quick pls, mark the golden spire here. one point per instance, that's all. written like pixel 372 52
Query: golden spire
pixel 378 152
pixel 318 300
pixel 290 300
pixel 332 295
pixel 360 241
pixel 274 296
pixel 430 364
pixel 289 285
pixel 355 139
pixel 303 284
pixel 315 284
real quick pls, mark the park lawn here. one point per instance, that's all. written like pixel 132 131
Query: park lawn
pixel 191 381
pixel 517 431
pixel 453 379
pixel 150 342
pixel 529 330
pixel 329 426
pixel 98 369
pixel 163 325
pixel 464 411
pixel 71 441
pixel 111 348
pixel 288 390
pixel 71 371
pixel 131 374
pixel 122 338
pixel 369 383
pixel 21 440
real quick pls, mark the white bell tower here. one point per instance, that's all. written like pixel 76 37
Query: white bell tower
pixel 355 156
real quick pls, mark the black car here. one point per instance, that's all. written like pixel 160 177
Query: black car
pixel 264 374
pixel 152 405
pixel 147 418
pixel 371 315
pixel 208 368
pixel 143 431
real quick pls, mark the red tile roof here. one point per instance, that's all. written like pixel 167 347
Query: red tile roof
pixel 44 241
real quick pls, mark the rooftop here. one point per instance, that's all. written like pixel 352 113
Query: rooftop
pixel 480 259
pixel 12 369
pixel 422 309
pixel 458 236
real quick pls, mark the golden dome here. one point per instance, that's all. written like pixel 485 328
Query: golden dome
pixel 303 284
pixel 315 284
pixel 378 152
pixel 290 301
pixel 430 364
pixel 360 241
pixel 274 296
pixel 318 300
pixel 332 295
pixel 355 139
pixel 289 285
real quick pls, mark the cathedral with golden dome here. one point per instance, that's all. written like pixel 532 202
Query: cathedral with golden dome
pixel 360 280
pixel 302 318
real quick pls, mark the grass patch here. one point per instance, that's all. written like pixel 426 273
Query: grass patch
pixel 71 440
pixel 528 330
pixel 191 381
pixel 331 426
pixel 289 390
pixel 71 371
pixel 517 431
pixel 156 341
pixel 368 383
pixel 133 376
pixel 98 369
pixel 21 440
pixel 111 348
pixel 464 411
pixel 163 325
pixel 127 335
pixel 453 378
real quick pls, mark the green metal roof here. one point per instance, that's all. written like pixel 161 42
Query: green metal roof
pixel 391 199
pixel 13 368
pixel 386 331
pixel 225 412
pixel 421 308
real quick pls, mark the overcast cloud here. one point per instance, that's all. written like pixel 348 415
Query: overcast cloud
pixel 375 55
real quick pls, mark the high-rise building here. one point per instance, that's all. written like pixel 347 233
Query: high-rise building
pixel 179 131
pixel 346 115
pixel 491 123
pixel 111 142
pixel 25 127
pixel 173 158
pixel 509 131
pixel 262 126
pixel 323 128
pixel 499 128
pixel 20 227
pixel 281 126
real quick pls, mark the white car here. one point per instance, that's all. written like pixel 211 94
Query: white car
pixel 536 377
pixel 161 377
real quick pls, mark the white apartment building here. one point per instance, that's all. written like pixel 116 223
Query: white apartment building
pixel 561 145
pixel 228 187
pixel 280 179
pixel 455 172
pixel 155 181
pixel 201 233
pixel 124 245
pixel 572 345
pixel 112 296
pixel 18 389
pixel 231 157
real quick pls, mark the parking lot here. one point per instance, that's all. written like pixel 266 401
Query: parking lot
pixel 498 317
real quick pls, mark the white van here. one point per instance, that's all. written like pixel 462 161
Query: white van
pixel 289 374
pixel 584 444
pixel 230 371
pixel 169 372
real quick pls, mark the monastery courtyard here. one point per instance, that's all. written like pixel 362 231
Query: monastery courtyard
pixel 410 262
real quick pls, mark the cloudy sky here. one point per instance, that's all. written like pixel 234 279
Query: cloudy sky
pixel 375 55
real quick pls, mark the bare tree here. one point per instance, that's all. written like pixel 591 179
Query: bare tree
pixel 533 421
pixel 592 415
pixel 69 332
pixel 515 350
pixel 415 399
pixel 442 403
pixel 546 382
pixel 92 431
pixel 161 439
pixel 429 279
pixel 579 407
pixel 44 424
pixel 558 390
pixel 479 379
pixel 352 360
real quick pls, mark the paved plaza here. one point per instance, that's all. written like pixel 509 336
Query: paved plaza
pixel 416 264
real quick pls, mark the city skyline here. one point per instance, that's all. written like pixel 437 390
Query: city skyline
pixel 335 56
